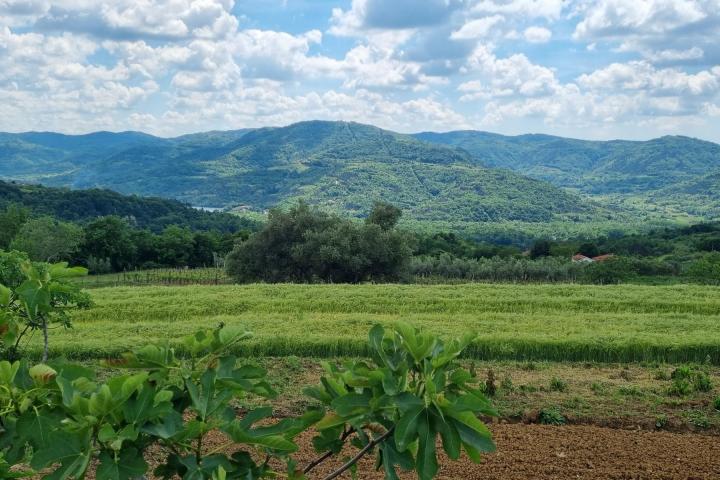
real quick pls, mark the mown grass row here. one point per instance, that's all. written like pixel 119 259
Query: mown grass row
pixel 523 322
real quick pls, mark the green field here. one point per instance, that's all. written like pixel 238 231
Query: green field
pixel 541 322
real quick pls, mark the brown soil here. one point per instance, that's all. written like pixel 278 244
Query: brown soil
pixel 541 452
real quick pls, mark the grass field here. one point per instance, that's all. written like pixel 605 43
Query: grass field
pixel 521 322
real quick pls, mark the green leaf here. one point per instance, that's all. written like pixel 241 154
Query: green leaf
pixel 426 461
pixel 275 442
pixel 473 441
pixel 329 421
pixel 171 424
pixel 8 371
pixel 391 457
pixel 255 416
pixel 61 270
pixel 129 465
pixel 405 401
pixel 450 437
pixel 71 450
pixel 470 420
pixel 352 404
pixel 4 296
pixel 37 426
pixel 406 428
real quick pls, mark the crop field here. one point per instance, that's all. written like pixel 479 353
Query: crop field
pixel 627 323
pixel 159 276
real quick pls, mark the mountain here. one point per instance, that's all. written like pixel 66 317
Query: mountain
pixel 144 212
pixel 593 167
pixel 341 166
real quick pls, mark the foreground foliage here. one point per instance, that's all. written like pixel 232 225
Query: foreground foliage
pixel 32 297
pixel 60 417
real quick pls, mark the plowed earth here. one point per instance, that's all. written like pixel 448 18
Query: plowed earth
pixel 540 452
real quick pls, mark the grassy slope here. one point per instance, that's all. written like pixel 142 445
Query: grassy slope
pixel 552 322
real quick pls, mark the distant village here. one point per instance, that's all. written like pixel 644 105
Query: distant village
pixel 580 258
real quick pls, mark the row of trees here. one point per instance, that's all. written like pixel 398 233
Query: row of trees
pixel 108 244
pixel 303 244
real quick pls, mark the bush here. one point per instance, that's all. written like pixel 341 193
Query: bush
pixel 701 382
pixel 613 271
pixel 680 387
pixel 41 296
pixel 551 416
pixel 716 403
pixel 558 385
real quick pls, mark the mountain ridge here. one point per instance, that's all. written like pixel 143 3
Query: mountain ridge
pixel 469 175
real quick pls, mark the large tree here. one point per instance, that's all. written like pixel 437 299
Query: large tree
pixel 109 238
pixel 306 245
pixel 47 240
pixel 11 220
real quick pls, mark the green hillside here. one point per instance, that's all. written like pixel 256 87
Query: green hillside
pixel 143 212
pixel 341 166
pixel 612 167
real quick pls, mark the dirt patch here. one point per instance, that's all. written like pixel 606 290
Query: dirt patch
pixel 541 452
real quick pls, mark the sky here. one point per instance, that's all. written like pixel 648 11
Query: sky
pixel 602 69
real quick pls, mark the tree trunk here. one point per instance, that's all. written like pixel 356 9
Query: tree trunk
pixel 45 340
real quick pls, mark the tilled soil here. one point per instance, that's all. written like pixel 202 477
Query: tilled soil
pixel 541 452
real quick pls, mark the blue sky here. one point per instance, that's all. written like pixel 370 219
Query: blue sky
pixel 590 69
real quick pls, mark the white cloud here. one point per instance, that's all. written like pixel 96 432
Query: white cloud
pixel 550 9
pixel 396 14
pixel 134 19
pixel 477 28
pixel 504 77
pixel 662 31
pixel 642 76
pixel 537 34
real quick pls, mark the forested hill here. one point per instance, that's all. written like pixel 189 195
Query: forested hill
pixel 340 166
pixel 611 167
pixel 143 212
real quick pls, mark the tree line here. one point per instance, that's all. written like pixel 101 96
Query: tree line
pixel 111 243
pixel 305 244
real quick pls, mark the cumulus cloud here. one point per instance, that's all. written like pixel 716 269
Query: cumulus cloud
pixel 132 19
pixel 397 14
pixel 174 66
pixel 660 30
pixel 477 28
pixel 537 34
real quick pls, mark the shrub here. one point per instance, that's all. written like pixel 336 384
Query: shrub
pixel 701 382
pixel 698 419
pixel 680 387
pixel 397 406
pixel 558 385
pixel 716 403
pixel 40 297
pixel 551 416
pixel 661 421
pixel 681 373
